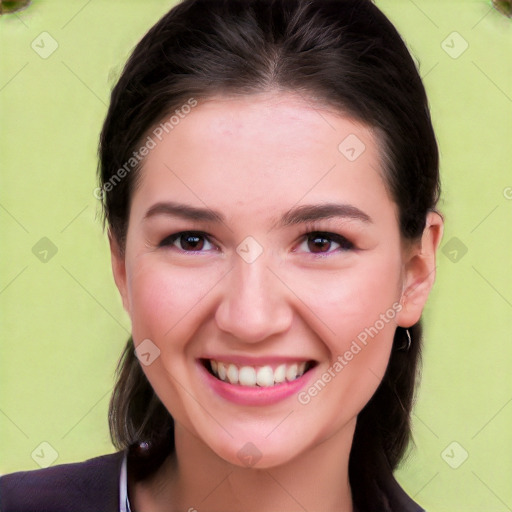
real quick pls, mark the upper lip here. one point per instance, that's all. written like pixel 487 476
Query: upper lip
pixel 257 361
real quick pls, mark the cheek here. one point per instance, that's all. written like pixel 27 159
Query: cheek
pixel 359 306
pixel 163 297
pixel 167 303
pixel 354 299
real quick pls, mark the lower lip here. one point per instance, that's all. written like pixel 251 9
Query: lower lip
pixel 254 395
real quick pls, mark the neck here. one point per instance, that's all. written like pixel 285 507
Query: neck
pixel 195 479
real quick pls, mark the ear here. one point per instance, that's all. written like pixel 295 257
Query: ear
pixel 420 271
pixel 119 269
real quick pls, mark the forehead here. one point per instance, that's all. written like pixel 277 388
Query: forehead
pixel 254 153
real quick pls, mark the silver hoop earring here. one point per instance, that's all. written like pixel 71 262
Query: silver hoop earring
pixel 407 346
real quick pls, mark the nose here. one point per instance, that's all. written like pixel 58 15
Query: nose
pixel 255 304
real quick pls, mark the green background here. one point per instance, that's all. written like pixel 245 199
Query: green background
pixel 62 322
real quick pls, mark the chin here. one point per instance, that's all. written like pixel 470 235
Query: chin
pixel 258 451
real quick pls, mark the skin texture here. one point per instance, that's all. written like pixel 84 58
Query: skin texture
pixel 252 159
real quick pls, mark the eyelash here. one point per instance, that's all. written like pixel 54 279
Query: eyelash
pixel 344 244
pixel 310 234
pixel 312 230
pixel 169 240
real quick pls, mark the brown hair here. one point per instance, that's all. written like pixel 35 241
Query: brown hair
pixel 345 53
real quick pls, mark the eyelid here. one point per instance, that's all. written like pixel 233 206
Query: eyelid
pixel 169 240
pixel 342 241
pixel 313 227
pixel 317 227
pixel 310 228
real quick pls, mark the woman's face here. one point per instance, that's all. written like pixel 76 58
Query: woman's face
pixel 264 274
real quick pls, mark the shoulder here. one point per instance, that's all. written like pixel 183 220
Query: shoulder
pixel 90 486
pixel 398 499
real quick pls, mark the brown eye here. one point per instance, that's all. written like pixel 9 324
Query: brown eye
pixel 189 241
pixel 319 243
pixel 324 243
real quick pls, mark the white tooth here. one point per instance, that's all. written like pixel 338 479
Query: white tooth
pixel 280 373
pixel 247 376
pixel 232 374
pixel 302 368
pixel 214 366
pixel 265 376
pixel 291 372
pixel 221 368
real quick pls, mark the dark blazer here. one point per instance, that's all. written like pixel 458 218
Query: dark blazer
pixel 90 486
pixel 93 486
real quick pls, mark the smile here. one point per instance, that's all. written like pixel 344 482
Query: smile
pixel 254 376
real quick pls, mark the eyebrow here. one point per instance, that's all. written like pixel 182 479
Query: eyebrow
pixel 184 211
pixel 296 215
pixel 312 212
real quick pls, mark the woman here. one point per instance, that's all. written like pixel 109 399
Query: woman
pixel 269 176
